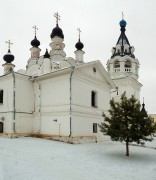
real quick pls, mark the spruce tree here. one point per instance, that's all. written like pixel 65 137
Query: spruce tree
pixel 126 122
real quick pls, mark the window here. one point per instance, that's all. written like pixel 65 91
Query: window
pixel 1 127
pixel 94 127
pixel 1 96
pixel 94 99
pixel 128 64
pixel 117 64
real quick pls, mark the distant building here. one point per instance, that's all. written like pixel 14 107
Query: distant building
pixel 153 116
pixel 59 96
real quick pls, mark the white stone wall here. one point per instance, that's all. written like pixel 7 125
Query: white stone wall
pixel 24 104
pixel 52 100
pixel 83 114
pixel 6 84
pixel 24 94
pixel 6 108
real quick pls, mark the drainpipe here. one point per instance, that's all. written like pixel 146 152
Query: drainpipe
pixel 39 87
pixel 14 103
pixel 71 99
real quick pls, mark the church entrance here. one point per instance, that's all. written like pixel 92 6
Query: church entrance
pixel 1 127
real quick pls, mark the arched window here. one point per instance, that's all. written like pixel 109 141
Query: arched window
pixel 128 66
pixel 116 64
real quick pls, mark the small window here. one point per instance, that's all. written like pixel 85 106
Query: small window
pixel 94 127
pixel 1 96
pixel 94 99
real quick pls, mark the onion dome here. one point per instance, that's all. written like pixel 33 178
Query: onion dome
pixel 79 45
pixel 123 22
pixel 57 31
pixel 35 42
pixel 143 109
pixel 46 55
pixel 8 58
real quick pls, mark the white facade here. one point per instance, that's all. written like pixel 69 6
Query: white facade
pixel 57 103
pixel 59 96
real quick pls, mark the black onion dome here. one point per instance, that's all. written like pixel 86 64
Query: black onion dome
pixel 79 45
pixel 46 55
pixel 57 31
pixel 143 110
pixel 8 58
pixel 35 42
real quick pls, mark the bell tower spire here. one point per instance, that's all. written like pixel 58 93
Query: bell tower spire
pixel 123 67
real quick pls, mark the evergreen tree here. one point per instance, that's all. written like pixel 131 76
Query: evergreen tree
pixel 127 122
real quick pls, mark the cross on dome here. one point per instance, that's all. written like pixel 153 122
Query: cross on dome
pixel 79 31
pixel 57 16
pixel 79 45
pixel 35 28
pixel 122 15
pixel 9 44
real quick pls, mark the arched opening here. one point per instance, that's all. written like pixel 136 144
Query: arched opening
pixel 1 127
pixel 128 66
pixel 116 66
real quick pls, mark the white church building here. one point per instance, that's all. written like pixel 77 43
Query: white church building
pixel 59 96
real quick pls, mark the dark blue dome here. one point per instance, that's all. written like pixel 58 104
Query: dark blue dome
pixel 35 42
pixel 123 22
pixel 79 45
pixel 57 31
pixel 8 58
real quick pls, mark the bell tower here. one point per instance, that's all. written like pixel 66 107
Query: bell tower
pixel 123 67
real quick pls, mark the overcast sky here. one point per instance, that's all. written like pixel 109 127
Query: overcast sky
pixel 99 23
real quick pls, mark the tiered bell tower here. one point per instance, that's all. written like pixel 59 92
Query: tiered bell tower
pixel 123 67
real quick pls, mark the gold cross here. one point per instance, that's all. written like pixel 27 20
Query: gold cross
pixel 79 31
pixel 35 27
pixel 57 16
pixel 122 16
pixel 9 43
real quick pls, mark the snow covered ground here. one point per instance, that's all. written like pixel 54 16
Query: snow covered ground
pixel 41 159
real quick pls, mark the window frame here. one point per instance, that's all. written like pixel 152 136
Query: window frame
pixel 1 96
pixel 94 99
pixel 95 128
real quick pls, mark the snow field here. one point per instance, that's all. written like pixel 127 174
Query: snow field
pixel 41 159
